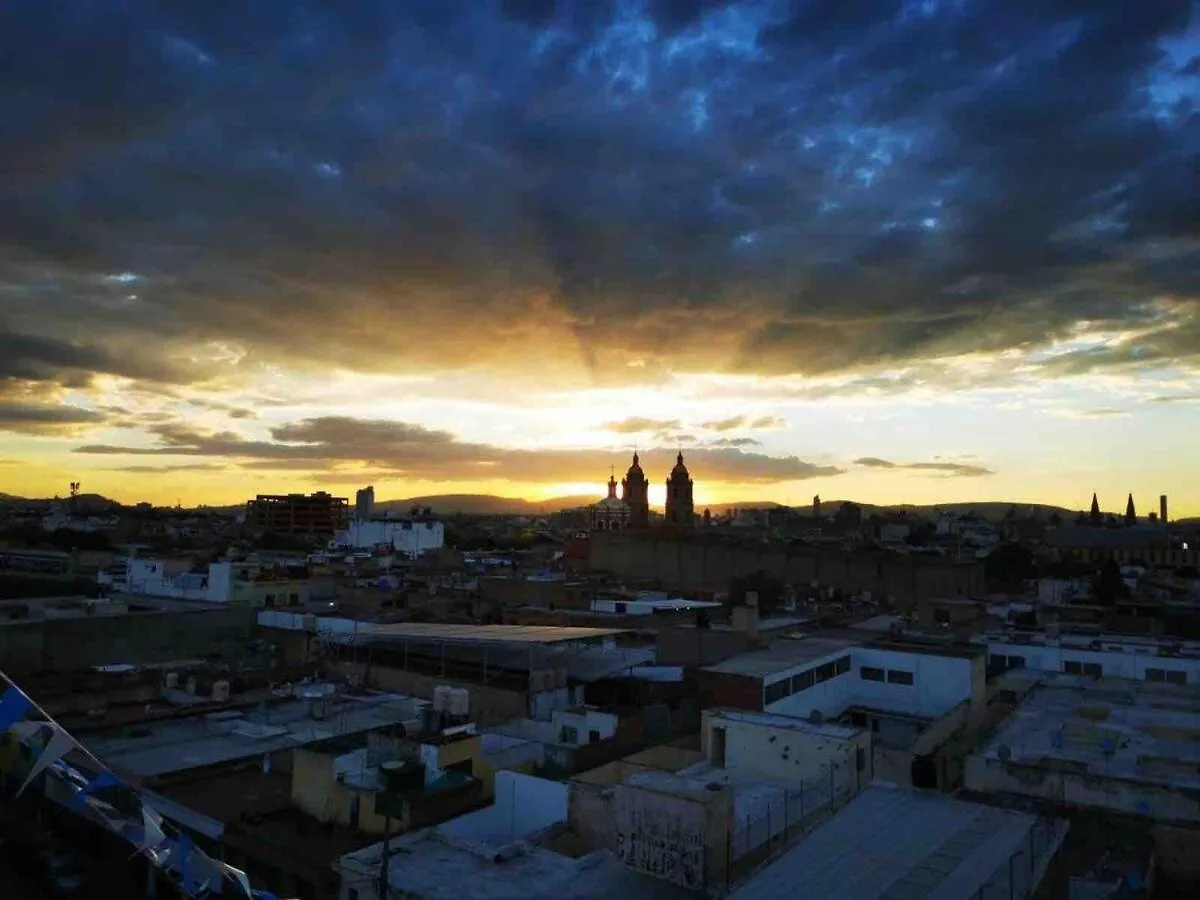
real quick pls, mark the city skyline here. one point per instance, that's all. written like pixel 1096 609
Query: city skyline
pixel 945 252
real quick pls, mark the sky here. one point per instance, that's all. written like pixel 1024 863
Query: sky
pixel 913 251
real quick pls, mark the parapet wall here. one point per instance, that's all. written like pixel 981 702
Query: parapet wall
pixel 699 564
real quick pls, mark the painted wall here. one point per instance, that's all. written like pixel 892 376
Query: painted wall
pixel 316 791
pixel 675 838
pixel 789 752
pixel 523 806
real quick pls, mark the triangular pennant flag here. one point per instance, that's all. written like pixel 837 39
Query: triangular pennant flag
pixel 152 832
pixel 241 878
pixel 56 748
pixel 13 706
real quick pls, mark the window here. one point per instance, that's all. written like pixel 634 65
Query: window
pixel 1093 669
pixel 870 673
pixel 826 671
pixel 269 600
pixel 1016 662
pixel 896 676
pixel 1072 667
pixel 1156 675
pixel 593 736
pixel 1174 677
pixel 293 599
pixel 941 616
pixel 570 735
pixel 352 894
pixel 620 607
pixel 802 681
pixel 843 665
pixel 773 693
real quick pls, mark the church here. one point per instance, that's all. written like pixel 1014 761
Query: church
pixel 631 511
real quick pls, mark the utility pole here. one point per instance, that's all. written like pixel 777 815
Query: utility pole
pixel 385 859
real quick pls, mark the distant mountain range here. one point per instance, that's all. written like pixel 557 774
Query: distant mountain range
pixel 490 505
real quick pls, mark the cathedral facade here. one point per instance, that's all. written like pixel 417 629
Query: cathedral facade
pixel 632 509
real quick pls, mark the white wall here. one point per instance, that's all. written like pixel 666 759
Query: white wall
pixel 780 753
pixel 523 806
pixel 939 684
pixel 411 538
pixel 1126 663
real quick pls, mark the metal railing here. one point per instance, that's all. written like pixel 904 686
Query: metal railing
pixel 1018 877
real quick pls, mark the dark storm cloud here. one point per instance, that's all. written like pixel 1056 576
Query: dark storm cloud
pixel 44 418
pixel 619 189
pixel 962 470
pixel 413 451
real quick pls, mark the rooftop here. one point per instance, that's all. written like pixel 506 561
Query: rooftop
pixel 893 843
pixel 1116 643
pixel 188 743
pixel 782 654
pixel 789 723
pixel 351 630
pixel 1107 729
pixel 432 866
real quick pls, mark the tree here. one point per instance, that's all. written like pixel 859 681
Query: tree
pixel 1108 586
pixel 1009 566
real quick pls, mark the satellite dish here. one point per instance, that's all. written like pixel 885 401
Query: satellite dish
pixel 816 717
pixel 1004 752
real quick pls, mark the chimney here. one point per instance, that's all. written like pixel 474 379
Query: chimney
pixel 1162 509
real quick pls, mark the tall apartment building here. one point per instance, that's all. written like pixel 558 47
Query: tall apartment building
pixel 318 513
pixel 364 504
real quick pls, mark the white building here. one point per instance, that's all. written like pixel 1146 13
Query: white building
pixel 223 582
pixel 1110 656
pixel 648 602
pixel 412 537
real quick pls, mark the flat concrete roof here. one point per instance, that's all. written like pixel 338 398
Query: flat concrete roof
pixel 788 723
pixel 188 743
pixel 433 866
pixel 1106 728
pixel 893 843
pixel 782 654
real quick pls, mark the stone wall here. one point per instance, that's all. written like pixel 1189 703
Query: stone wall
pixel 698 564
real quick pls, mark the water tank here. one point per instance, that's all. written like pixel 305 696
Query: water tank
pixel 171 681
pixel 459 703
pixel 220 691
pixel 190 686
pixel 441 697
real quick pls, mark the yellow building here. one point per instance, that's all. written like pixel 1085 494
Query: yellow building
pixel 392 785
